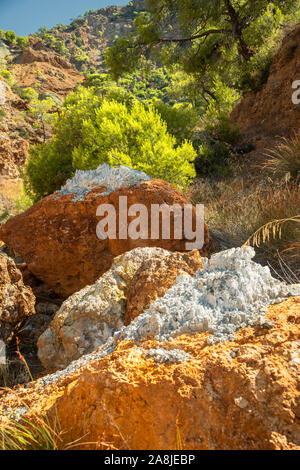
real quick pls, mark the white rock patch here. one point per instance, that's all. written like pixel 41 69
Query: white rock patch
pixel 110 178
pixel 164 356
pixel 230 293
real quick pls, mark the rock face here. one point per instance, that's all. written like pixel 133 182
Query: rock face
pixel 234 395
pixel 36 67
pixel 91 316
pixel 230 293
pixel 155 277
pixel 270 112
pixel 57 236
pixel 16 300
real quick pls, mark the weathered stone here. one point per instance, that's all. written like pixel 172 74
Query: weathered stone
pixel 88 318
pixel 16 300
pixel 57 236
pixel 155 277
pixel 132 400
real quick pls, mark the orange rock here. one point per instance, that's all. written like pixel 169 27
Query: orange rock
pixel 270 112
pixel 57 236
pixel 16 300
pixel 155 277
pixel 239 395
pixel 30 56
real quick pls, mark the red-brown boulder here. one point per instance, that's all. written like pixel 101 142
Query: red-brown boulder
pixel 57 236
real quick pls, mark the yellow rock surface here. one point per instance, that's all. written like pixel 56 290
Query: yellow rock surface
pixel 243 394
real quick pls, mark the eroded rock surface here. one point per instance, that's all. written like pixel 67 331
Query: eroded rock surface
pixel 230 293
pixel 16 300
pixel 91 316
pixel 234 395
pixel 155 277
pixel 269 113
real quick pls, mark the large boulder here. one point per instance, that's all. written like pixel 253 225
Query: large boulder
pixel 57 236
pixel 88 318
pixel 241 394
pixel 229 293
pixel 16 300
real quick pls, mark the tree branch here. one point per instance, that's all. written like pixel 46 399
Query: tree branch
pixel 198 36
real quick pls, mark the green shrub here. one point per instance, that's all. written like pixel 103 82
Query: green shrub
pixel 8 77
pixel 213 159
pixel 93 130
pixel 181 118
pixel 10 37
pixel 22 42
pixel 220 127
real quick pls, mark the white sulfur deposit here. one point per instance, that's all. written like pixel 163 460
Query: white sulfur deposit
pixel 230 293
pixel 165 356
pixel 110 178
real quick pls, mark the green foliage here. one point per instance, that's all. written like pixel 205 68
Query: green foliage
pixel 181 118
pixel 81 59
pixel 227 40
pixel 151 88
pixel 2 114
pixel 94 130
pixel 8 76
pixel 122 58
pixel 10 37
pixel 22 42
pixel 88 13
pixel 214 159
pixel 220 127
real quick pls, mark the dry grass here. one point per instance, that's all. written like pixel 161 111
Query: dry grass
pixel 237 208
pixel 11 188
pixel 284 159
pixel 29 435
pixel 38 433
pixel 13 373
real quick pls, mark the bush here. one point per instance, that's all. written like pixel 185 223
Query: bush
pixel 220 127
pixel 213 159
pixel 8 77
pixel 22 42
pixel 10 37
pixel 181 118
pixel 94 130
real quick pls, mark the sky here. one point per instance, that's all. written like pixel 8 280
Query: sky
pixel 27 16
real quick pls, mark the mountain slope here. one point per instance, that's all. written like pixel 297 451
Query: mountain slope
pixel 84 41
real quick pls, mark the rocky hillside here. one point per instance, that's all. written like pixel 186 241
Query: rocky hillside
pixel 146 339
pixel 50 64
pixel 270 113
pixel 84 41
pixel 22 123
